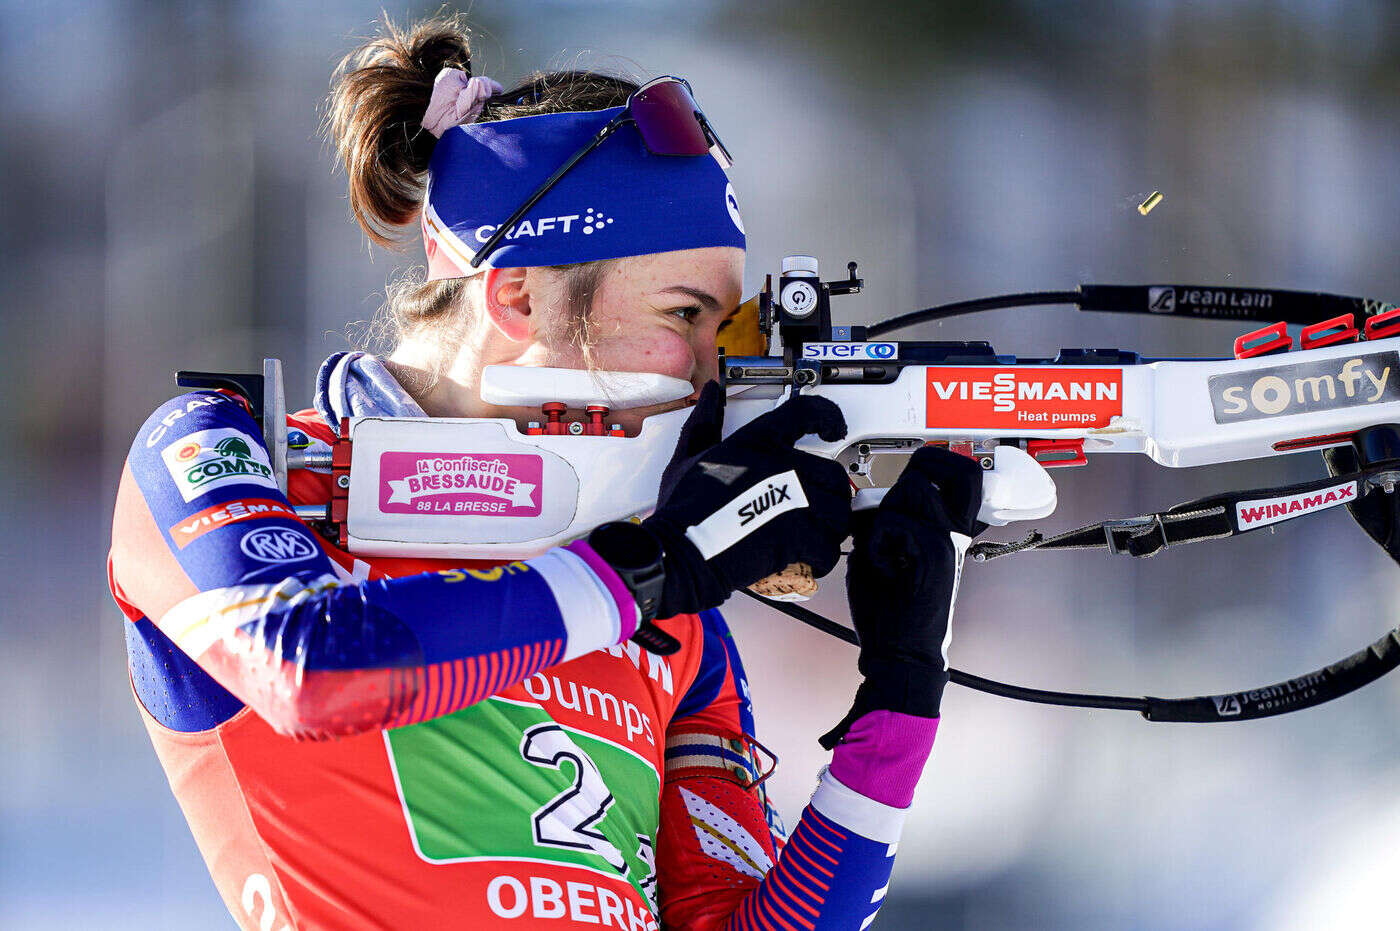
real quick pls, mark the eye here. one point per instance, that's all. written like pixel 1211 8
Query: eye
pixel 688 314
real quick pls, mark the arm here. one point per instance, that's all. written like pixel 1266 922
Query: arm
pixel 834 872
pixel 718 861
pixel 254 600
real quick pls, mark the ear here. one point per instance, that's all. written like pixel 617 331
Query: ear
pixel 508 303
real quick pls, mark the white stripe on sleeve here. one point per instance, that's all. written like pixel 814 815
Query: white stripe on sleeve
pixel 587 607
pixel 848 808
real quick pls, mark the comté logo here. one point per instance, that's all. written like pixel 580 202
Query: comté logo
pixel 1023 396
pixel 465 484
pixel 1265 511
pixel 213 458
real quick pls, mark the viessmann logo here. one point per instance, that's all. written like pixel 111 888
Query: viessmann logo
pixel 1025 396
pixel 1283 390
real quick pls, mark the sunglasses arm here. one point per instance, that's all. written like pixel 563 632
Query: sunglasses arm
pixel 489 246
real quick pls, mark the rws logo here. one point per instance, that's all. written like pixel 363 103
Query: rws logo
pixel 1283 390
pixel 277 545
pixel 875 352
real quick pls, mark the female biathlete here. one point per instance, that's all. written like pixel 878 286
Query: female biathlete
pixel 416 743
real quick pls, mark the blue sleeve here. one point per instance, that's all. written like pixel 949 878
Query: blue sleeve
pixel 207 548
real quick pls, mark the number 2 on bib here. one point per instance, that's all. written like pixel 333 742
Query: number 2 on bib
pixel 570 819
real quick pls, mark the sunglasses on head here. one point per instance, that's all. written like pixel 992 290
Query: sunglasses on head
pixel 667 118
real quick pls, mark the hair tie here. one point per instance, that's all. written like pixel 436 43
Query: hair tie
pixel 457 99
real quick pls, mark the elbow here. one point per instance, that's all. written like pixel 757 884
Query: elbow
pixel 328 704
pixel 311 678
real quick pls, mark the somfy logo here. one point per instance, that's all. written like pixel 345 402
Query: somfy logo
pixel 1282 390
pixel 277 545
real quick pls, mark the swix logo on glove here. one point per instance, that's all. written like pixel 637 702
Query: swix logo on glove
pixel 1265 511
pixel 1346 381
pixel 990 398
pixel 746 513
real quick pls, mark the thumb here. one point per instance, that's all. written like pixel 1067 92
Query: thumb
pixel 790 421
pixel 704 426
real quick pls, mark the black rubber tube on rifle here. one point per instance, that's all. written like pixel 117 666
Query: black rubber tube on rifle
pixel 1028 299
pixel 1315 688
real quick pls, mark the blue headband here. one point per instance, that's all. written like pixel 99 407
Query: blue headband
pixel 619 200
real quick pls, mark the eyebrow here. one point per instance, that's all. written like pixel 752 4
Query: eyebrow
pixel 706 299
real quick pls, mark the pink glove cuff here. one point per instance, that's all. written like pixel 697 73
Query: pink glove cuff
pixel 626 606
pixel 883 755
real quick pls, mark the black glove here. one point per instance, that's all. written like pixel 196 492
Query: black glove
pixel 901 579
pixel 1377 513
pixel 734 511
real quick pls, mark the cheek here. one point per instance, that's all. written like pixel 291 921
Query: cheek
pixel 664 352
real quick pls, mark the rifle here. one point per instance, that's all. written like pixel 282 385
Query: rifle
pixel 481 488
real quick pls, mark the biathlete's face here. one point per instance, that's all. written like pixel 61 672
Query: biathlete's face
pixel 660 313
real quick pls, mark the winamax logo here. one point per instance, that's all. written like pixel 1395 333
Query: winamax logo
pixel 1026 396
pixel 874 352
pixel 465 484
pixel 1284 390
pixel 211 459
pixel 586 223
pixel 1265 511
pixel 1207 302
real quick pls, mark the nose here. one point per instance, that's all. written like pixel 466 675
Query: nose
pixel 706 366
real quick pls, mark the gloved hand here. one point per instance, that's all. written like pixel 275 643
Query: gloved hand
pixel 901 580
pixel 731 512
pixel 1376 512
